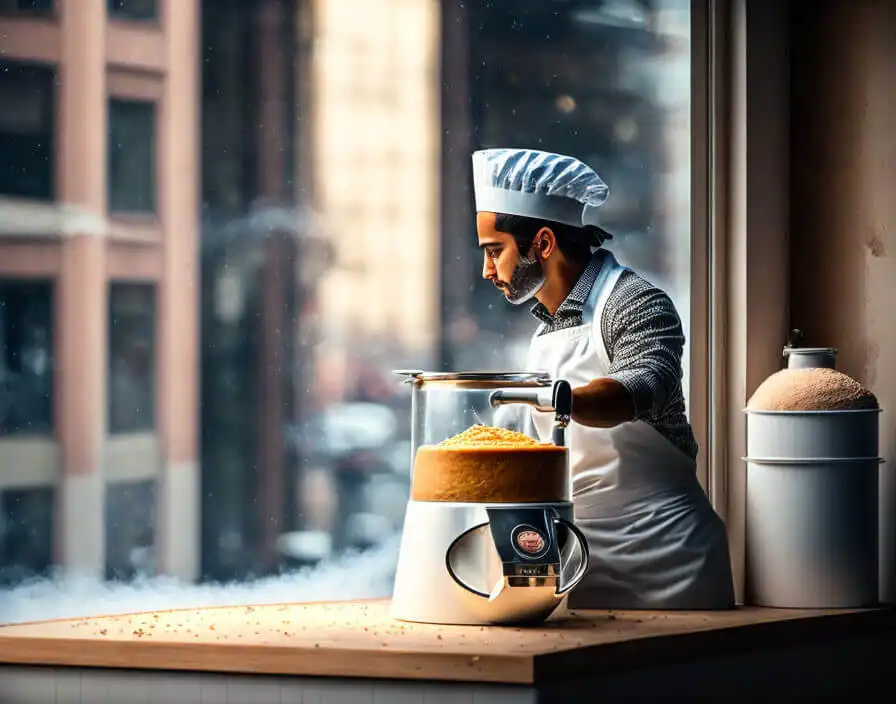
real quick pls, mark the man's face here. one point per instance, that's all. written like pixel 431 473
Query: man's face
pixel 519 275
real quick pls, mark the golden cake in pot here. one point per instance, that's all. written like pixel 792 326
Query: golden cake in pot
pixel 491 465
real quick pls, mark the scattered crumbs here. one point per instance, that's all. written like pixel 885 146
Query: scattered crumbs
pixel 211 627
pixel 103 632
pixel 474 659
pixel 317 645
pixel 195 635
pixel 439 636
pixel 249 609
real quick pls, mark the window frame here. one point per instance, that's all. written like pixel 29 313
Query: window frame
pixel 740 255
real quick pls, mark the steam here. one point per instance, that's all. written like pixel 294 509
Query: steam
pixel 352 576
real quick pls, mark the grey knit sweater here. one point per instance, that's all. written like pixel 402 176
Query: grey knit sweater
pixel 645 342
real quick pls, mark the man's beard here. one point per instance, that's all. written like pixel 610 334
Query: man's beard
pixel 526 280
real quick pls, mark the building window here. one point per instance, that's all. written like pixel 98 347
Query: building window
pixel 140 10
pixel 23 6
pixel 26 130
pixel 132 150
pixel 130 529
pixel 26 534
pixel 132 351
pixel 26 357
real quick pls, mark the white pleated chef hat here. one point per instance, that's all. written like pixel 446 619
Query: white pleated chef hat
pixel 537 184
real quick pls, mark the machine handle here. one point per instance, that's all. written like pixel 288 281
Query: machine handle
pixel 540 400
pixel 557 400
pixel 586 556
pixel 454 576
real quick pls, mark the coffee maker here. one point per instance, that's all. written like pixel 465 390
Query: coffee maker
pixel 475 560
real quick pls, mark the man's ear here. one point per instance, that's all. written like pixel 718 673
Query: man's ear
pixel 545 242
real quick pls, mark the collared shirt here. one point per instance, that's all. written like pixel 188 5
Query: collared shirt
pixel 643 335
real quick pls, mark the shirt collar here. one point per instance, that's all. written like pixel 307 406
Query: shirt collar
pixel 575 300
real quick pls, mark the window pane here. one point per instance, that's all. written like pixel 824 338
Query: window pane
pixel 26 534
pixel 335 242
pixel 15 6
pixel 26 130
pixel 132 156
pixel 130 529
pixel 132 9
pixel 608 83
pixel 26 357
pixel 132 353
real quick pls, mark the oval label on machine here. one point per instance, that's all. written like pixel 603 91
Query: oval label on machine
pixel 530 542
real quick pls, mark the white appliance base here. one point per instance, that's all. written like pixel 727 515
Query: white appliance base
pixel 425 592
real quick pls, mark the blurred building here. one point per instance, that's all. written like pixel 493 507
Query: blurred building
pixel 223 222
pixel 98 284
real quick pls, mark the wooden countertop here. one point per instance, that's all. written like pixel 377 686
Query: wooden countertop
pixel 358 639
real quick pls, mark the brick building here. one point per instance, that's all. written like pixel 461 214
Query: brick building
pixel 98 292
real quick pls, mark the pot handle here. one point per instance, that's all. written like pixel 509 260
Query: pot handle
pixel 586 557
pixel 450 569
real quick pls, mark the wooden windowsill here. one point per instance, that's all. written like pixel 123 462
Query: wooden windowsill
pixel 358 639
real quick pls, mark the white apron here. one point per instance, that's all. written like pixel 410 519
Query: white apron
pixel 654 538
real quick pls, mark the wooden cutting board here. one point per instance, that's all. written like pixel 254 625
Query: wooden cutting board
pixel 358 639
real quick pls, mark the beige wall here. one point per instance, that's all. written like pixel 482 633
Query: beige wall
pixel 843 251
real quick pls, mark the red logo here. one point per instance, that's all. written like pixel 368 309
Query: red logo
pixel 530 542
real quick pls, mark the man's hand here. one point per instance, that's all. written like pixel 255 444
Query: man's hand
pixel 603 403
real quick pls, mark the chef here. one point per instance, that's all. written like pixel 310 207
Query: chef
pixel 654 538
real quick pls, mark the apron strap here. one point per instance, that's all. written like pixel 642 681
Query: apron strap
pixel 610 271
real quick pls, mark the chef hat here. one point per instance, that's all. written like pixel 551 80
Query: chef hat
pixel 538 185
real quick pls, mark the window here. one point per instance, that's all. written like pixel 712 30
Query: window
pixel 23 6
pixel 130 529
pixel 26 534
pixel 132 156
pixel 26 130
pixel 336 242
pixel 26 357
pixel 132 9
pixel 132 355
